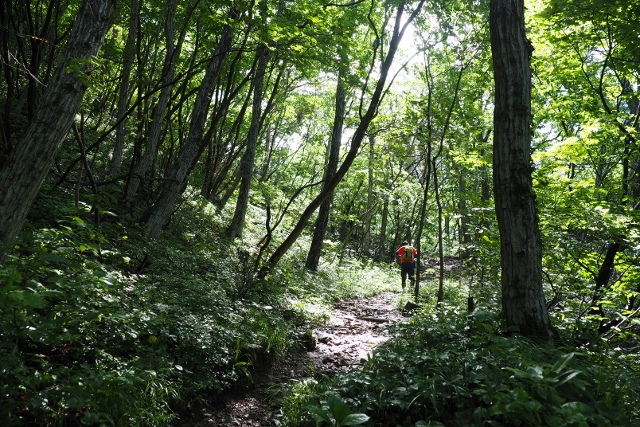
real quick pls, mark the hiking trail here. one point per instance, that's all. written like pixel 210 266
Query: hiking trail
pixel 355 328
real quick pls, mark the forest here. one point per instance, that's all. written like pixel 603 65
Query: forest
pixel 188 187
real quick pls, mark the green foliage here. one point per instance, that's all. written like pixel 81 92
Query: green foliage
pixel 110 329
pixel 336 413
pixel 584 167
pixel 69 340
pixel 85 341
pixel 446 367
pixel 99 326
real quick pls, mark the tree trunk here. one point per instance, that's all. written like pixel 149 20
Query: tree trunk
pixel 139 170
pixel 224 150
pixel 41 26
pixel 523 300
pixel 174 184
pixel 25 170
pixel 248 159
pixel 315 250
pixel 602 283
pixel 436 190
pixel 366 238
pixel 464 236
pixel 8 73
pixel 224 198
pixel 381 250
pixel 356 140
pixel 123 96
pixel 426 182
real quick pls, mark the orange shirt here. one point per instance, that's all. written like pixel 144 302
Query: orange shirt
pixel 402 249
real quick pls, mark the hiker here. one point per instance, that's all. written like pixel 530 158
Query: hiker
pixel 406 255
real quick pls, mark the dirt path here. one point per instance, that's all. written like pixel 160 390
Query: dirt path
pixel 354 330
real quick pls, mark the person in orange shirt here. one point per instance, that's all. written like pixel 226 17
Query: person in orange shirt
pixel 406 255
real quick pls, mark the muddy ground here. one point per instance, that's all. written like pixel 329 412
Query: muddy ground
pixel 343 343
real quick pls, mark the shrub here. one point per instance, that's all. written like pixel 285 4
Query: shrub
pixel 447 368
pixel 70 339
pixel 82 342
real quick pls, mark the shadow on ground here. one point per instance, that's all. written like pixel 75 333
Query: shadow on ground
pixel 342 344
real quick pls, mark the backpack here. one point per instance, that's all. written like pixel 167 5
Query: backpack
pixel 408 253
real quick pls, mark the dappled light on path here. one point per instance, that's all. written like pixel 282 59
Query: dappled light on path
pixel 354 330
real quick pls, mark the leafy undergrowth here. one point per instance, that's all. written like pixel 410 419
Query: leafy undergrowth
pixel 448 369
pixel 100 327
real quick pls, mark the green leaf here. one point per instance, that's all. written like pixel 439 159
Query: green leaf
pixel 562 363
pixel 340 412
pixel 354 420
pixel 569 375
pixel 319 414
pixel 543 392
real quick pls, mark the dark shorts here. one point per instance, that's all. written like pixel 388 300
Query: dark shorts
pixel 407 268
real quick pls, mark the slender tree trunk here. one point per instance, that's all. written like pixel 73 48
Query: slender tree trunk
pixel 41 40
pixel 248 159
pixel 269 144
pixel 224 198
pixel 464 236
pixel 426 179
pixel 123 97
pixel 433 169
pixel 226 149
pixel 608 263
pixel 247 162
pixel 381 251
pixel 436 190
pixel 396 233
pixel 8 76
pixel 322 221
pixel 523 299
pixel 604 275
pixel 356 140
pixel 174 183
pixel 25 170
pixel 422 216
pixel 366 238
pixel 139 170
